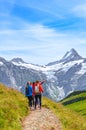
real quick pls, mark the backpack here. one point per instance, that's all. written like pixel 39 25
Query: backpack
pixel 36 90
pixel 27 91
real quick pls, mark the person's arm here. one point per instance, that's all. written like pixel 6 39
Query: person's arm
pixel 41 89
pixel 41 82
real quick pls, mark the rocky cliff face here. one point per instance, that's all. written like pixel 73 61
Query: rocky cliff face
pixel 62 77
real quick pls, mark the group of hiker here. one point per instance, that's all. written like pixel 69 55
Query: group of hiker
pixel 33 92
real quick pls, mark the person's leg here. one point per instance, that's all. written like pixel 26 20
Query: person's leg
pixel 30 101
pixel 33 101
pixel 36 98
pixel 40 100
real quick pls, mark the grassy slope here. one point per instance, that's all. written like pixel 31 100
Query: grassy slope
pixel 70 119
pixel 77 102
pixel 13 106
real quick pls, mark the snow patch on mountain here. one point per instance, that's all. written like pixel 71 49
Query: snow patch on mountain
pixel 61 93
pixel 27 65
pixel 1 63
pixel 70 64
pixel 53 92
pixel 12 79
pixel 83 69
pixel 48 69
pixel 50 75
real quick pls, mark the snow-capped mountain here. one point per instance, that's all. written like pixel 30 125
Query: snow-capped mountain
pixel 69 56
pixel 62 77
pixel 18 60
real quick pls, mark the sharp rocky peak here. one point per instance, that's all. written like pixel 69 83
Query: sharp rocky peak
pixel 71 55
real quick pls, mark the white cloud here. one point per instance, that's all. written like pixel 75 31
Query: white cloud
pixel 34 42
pixel 37 43
pixel 35 36
pixel 80 10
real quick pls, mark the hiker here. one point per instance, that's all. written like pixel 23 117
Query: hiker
pixel 38 90
pixel 29 94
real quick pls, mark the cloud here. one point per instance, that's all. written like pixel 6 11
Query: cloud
pixel 45 40
pixel 36 43
pixel 37 35
pixel 80 10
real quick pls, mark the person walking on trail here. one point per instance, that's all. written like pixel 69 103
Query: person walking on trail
pixel 38 90
pixel 29 94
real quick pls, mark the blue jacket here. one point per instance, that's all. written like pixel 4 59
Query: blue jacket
pixel 29 91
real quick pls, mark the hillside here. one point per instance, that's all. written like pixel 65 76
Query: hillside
pixel 13 107
pixel 76 101
pixel 70 119
pixel 13 110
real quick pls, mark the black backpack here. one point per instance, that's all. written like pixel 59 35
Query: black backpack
pixel 27 91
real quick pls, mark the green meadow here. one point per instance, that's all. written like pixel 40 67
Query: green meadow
pixel 71 110
pixel 77 102
pixel 14 107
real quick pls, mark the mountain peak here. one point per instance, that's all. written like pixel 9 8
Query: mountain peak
pixel 2 60
pixel 71 55
pixel 18 60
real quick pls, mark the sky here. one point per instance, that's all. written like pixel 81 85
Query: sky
pixel 42 31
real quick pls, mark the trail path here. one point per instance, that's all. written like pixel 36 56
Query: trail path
pixel 43 119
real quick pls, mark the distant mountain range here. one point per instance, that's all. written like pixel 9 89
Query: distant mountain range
pixel 62 77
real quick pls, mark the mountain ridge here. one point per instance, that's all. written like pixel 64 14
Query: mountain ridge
pixel 62 77
pixel 71 52
pixel 69 55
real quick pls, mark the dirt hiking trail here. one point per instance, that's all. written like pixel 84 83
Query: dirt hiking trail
pixel 43 119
